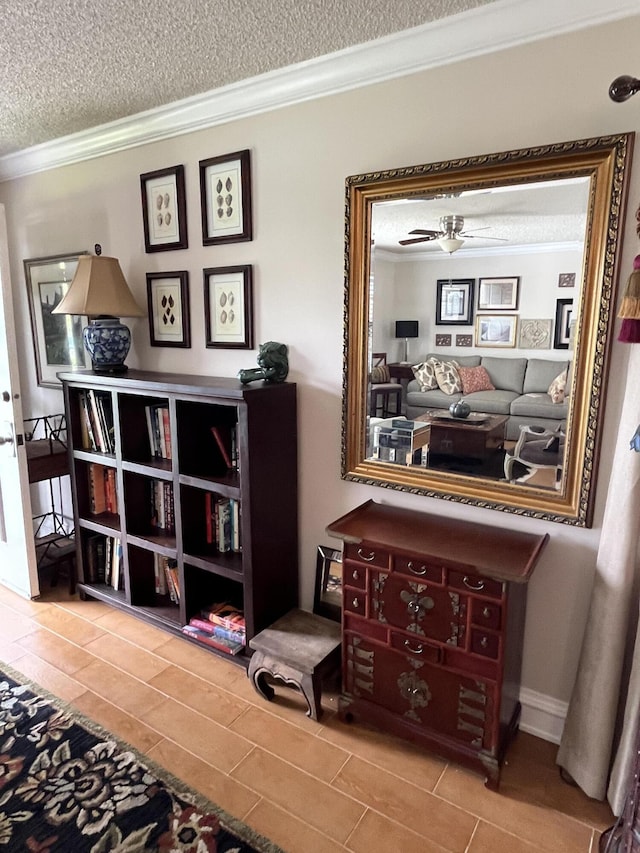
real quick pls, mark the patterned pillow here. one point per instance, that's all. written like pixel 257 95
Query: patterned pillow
pixel 558 387
pixel 475 379
pixel 425 373
pixel 448 377
pixel 380 375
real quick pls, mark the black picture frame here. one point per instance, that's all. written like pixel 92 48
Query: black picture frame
pixel 228 307
pixel 327 600
pixel 225 198
pixel 164 209
pixel 562 328
pixel 168 309
pixel 454 301
pixel 57 338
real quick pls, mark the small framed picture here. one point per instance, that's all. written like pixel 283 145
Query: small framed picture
pixel 228 307
pixel 168 303
pixel 57 338
pixel 164 209
pixel 498 294
pixel 327 600
pixel 567 279
pixel 562 330
pixel 496 330
pixel 225 198
pixel 454 302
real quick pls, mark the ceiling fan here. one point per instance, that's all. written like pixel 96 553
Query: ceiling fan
pixel 449 237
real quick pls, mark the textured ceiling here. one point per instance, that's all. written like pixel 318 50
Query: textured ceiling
pixel 70 65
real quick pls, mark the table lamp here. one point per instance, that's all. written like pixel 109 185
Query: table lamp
pixel 99 290
pixel 406 329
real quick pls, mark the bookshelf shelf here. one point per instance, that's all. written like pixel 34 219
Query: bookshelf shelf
pixel 204 471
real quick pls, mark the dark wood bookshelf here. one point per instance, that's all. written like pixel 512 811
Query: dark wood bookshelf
pixel 262 577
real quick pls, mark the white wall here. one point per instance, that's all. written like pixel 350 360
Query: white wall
pixel 548 91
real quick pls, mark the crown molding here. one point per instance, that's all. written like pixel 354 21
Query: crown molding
pixel 486 252
pixel 485 29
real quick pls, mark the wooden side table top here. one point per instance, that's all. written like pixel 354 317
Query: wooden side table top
pixel 301 639
pixel 401 369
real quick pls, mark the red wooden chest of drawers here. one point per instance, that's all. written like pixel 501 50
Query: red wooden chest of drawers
pixel 433 624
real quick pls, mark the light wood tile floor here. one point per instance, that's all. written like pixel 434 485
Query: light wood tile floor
pixel 310 787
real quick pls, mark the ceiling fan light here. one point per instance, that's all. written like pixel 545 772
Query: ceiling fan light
pixel 450 244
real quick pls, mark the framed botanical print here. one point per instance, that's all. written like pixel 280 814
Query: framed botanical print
pixel 168 303
pixel 57 338
pixel 225 198
pixel 496 330
pixel 228 307
pixel 164 209
pixel 498 294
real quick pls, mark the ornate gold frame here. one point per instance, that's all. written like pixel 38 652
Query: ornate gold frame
pixel 605 160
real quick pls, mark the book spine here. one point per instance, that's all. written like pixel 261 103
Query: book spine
pixel 166 431
pixel 228 634
pixel 215 642
pixel 217 434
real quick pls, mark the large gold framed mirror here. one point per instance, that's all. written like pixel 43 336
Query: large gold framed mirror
pixel 503 265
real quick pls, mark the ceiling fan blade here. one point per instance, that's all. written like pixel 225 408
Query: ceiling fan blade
pixel 416 240
pixel 430 232
pixel 483 237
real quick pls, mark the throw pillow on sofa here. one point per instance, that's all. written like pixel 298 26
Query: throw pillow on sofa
pixel 475 379
pixel 425 373
pixel 557 388
pixel 448 377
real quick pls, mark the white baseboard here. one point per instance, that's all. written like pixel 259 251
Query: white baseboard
pixel 542 716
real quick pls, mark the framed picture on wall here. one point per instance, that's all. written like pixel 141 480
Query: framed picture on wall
pixel 454 302
pixel 168 304
pixel 164 209
pixel 496 330
pixel 562 331
pixel 57 338
pixel 498 294
pixel 228 307
pixel 225 198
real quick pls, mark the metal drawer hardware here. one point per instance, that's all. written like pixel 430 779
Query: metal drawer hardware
pixel 413 651
pixel 421 571
pixel 484 642
pixel 469 585
pixel 486 612
pixel 369 559
pixel 355 575
pixel 356 602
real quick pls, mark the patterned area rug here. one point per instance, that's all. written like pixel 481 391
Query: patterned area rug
pixel 69 786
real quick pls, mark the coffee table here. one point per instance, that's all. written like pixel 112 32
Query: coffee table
pixel 469 439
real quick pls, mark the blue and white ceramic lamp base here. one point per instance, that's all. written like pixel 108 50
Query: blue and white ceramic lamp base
pixel 107 341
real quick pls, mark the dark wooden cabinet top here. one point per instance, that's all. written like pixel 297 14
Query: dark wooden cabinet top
pixel 507 555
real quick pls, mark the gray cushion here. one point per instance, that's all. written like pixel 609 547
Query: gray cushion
pixel 492 402
pixel 430 399
pixel 507 374
pixel 538 405
pixel 540 374
pixel 464 360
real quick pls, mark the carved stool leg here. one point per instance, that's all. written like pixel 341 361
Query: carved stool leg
pixel 257 673
pixel 311 688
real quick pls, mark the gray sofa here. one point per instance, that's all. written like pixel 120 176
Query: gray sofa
pixel 521 391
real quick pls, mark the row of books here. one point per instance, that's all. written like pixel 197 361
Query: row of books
pixel 223 522
pixel 103 560
pixel 159 431
pixel 167 582
pixel 96 421
pixel 161 506
pixel 103 496
pixel 222 627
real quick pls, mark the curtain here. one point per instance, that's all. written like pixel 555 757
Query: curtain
pixel 598 742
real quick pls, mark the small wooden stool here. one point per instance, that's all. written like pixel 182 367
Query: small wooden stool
pixel 300 648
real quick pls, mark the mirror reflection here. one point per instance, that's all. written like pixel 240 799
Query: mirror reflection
pixel 478 312
pixel 478 380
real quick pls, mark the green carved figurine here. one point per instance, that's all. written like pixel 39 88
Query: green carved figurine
pixel 273 361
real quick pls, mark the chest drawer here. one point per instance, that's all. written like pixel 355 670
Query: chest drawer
pixel 486 613
pixel 470 582
pixel 367 555
pixel 419 567
pixel 354 601
pixel 485 643
pixel 354 574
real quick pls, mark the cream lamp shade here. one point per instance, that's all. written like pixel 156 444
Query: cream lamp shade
pixel 450 244
pixel 99 291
